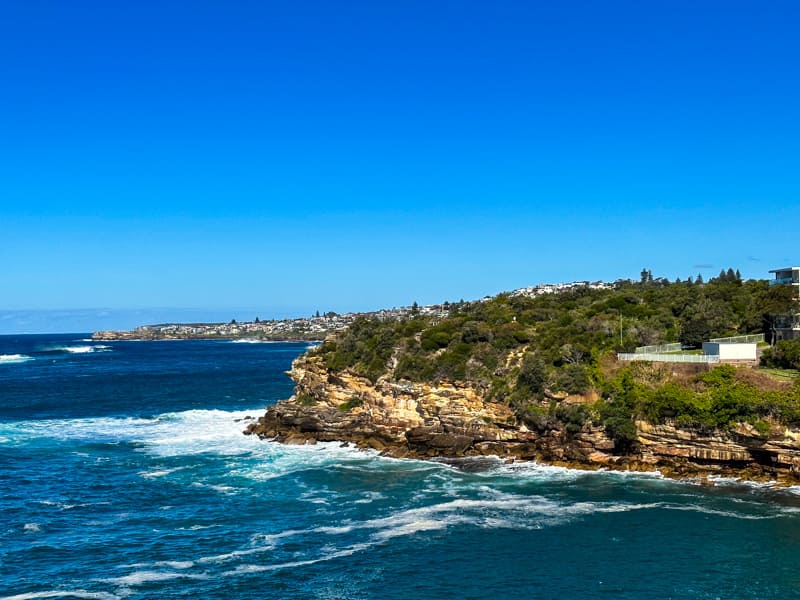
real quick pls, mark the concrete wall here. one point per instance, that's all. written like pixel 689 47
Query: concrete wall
pixel 730 351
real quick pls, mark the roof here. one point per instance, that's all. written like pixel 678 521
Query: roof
pixel 784 269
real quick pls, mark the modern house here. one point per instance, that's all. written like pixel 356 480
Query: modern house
pixel 787 276
pixel 787 327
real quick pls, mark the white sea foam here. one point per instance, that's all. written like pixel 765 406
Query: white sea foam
pixel 722 513
pixel 160 472
pixel 247 569
pixel 11 359
pixel 369 497
pixel 222 489
pixel 503 511
pixel 66 506
pixel 172 564
pixel 176 564
pixel 78 349
pixel 142 577
pixel 410 528
pixel 271 538
pixel 85 349
pixel 62 594
pixel 31 528
pixel 250 341
pixel 193 432
pixel 228 556
pixel 492 509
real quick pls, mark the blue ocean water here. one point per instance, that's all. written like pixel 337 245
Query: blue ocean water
pixel 124 474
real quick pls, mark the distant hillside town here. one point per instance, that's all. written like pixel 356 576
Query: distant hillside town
pixel 314 328
pixel 317 327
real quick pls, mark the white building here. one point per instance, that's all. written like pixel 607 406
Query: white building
pixel 731 352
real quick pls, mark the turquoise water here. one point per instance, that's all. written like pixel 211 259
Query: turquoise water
pixel 124 474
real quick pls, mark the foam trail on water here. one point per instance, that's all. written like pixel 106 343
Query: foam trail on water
pixel 142 577
pixel 62 594
pixel 247 569
pixel 10 359
pixel 78 349
pixel 86 349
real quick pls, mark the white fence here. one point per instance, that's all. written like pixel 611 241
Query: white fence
pixel 740 339
pixel 675 358
pixel 676 347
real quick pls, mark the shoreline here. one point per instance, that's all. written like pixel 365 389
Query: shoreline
pixel 700 474
pixel 705 476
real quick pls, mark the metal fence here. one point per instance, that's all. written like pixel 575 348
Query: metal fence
pixel 675 358
pixel 739 339
pixel 675 347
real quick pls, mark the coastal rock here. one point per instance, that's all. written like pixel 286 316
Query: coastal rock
pixel 741 449
pixel 450 420
pixel 401 419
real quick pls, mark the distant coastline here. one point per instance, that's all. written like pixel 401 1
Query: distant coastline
pixel 317 327
pixel 310 329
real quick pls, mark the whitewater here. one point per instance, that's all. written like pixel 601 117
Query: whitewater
pixel 125 474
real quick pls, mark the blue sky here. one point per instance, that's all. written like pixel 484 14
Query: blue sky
pixel 279 158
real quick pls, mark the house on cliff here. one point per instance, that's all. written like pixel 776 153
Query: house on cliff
pixel 787 327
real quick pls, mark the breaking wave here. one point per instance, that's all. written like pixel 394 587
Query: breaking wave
pixel 10 359
pixel 82 349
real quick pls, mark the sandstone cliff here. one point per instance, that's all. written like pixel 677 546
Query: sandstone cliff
pixel 454 420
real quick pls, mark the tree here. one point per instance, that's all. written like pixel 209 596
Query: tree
pixel 258 320
pixel 415 309
pixel 233 321
pixel 694 332
pixel 317 315
pixel 532 376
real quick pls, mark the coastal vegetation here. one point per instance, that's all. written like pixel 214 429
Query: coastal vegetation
pixel 534 353
pixel 784 355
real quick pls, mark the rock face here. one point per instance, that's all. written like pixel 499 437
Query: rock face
pixel 741 452
pixel 454 420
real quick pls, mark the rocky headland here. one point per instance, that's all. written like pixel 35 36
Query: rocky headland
pixel 450 420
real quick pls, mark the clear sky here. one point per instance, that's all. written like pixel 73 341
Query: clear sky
pixel 282 157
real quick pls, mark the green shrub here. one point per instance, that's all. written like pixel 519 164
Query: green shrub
pixel 533 375
pixel 784 355
pixel 573 379
pixel 306 399
pixel 574 416
pixel 351 403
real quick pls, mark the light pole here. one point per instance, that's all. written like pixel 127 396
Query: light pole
pixel 619 312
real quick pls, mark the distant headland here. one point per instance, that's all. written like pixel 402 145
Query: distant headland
pixel 314 328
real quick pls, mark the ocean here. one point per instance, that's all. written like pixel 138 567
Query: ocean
pixel 124 473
